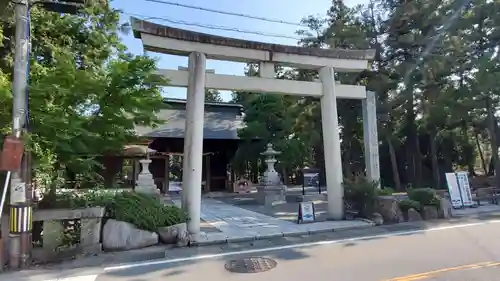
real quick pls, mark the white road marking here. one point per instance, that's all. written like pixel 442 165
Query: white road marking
pixel 77 278
pixel 292 246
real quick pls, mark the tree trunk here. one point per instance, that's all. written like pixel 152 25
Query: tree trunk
pixel 346 162
pixel 481 155
pixel 412 146
pixel 493 139
pixel 446 148
pixel 255 171
pixel 394 165
pixel 286 176
pixel 418 162
pixel 434 159
pixel 319 159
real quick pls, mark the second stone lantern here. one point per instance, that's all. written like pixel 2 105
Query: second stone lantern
pixel 270 190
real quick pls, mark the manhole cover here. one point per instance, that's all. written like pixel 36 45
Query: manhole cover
pixel 250 265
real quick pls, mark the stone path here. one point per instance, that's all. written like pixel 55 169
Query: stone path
pixel 485 207
pixel 238 224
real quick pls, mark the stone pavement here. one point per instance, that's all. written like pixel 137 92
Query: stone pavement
pixel 238 224
pixel 485 208
pixel 286 211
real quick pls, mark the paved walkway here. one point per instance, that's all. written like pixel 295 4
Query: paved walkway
pixel 485 207
pixel 238 224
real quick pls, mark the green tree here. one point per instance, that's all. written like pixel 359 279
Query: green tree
pixel 86 92
pixel 270 119
pixel 212 96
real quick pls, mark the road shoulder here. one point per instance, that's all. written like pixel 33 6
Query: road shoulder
pixel 96 264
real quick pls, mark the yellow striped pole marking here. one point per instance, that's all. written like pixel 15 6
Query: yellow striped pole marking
pixel 21 219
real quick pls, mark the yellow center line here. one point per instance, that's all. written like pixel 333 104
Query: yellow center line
pixel 429 274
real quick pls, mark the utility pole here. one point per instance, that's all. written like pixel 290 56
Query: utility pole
pixel 21 193
pixel 20 222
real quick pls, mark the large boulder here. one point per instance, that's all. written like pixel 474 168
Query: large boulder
pixel 445 208
pixel 377 219
pixel 175 234
pixel 388 207
pixel 182 235
pixel 168 234
pixel 414 215
pixel 119 236
pixel 430 213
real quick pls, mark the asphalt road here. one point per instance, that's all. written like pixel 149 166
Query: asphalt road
pixel 461 252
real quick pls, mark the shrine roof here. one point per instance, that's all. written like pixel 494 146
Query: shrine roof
pixel 222 121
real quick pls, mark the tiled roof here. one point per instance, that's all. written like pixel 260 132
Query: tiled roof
pixel 222 121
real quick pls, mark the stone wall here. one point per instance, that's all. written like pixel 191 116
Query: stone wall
pixel 388 208
pixel 90 220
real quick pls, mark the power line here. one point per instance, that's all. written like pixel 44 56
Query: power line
pixel 214 27
pixel 226 13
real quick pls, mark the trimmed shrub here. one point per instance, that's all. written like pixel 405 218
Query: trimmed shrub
pixel 384 191
pixel 77 199
pixel 143 211
pixel 361 194
pixel 407 204
pixel 425 196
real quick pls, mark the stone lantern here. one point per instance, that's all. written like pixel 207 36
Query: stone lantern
pixel 145 182
pixel 270 189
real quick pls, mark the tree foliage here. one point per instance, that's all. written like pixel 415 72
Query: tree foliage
pixel 435 74
pixel 212 96
pixel 86 91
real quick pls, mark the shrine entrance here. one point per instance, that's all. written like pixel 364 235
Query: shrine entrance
pixel 220 142
pixel 200 47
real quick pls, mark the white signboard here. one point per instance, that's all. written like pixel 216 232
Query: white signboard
pixel 464 186
pixel 17 192
pixel 306 212
pixel 311 179
pixel 175 186
pixel 454 190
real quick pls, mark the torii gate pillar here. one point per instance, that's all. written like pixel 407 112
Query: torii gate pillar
pixel 193 142
pixel 331 143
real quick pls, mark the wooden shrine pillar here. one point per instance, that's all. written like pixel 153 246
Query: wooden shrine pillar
pixel 166 178
pixel 208 178
pixel 134 173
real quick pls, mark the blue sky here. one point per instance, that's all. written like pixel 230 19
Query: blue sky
pixel 285 10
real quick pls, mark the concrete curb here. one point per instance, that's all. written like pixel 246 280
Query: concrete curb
pixel 172 252
pixel 226 239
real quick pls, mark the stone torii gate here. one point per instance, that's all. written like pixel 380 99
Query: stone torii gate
pixel 200 46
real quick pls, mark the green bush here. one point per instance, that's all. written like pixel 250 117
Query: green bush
pixel 361 194
pixel 143 211
pixel 77 199
pixel 407 204
pixel 425 196
pixel 436 202
pixel 385 191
